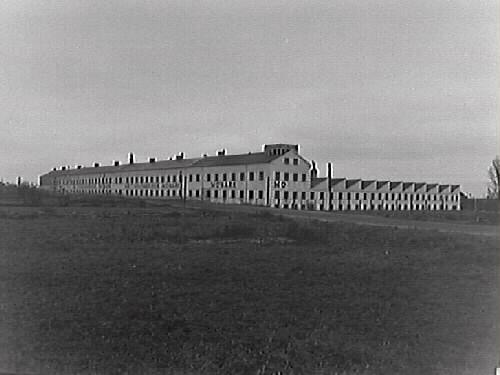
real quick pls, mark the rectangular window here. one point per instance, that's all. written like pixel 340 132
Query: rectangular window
pixel 295 161
pixel 224 177
pixel 322 195
pixel 242 176
pixel 190 193
pixel 233 176
pixel 311 195
pixel 303 195
pixel 233 194
pixel 286 195
pixel 174 178
pixel 162 179
pixel 190 178
pixel 250 194
pixel 295 177
pixel 208 193
pixel 261 176
pixel 286 176
pixel 208 177
pixel 197 193
pixel 304 177
pixel 277 176
pixel 251 176
pixel 242 194
pixel 286 160
pixel 261 194
pixel 294 195
pixel 224 194
pixel 276 194
pixel 216 177
pixel 197 177
pixel 142 180
pixel 173 193
pixel 168 178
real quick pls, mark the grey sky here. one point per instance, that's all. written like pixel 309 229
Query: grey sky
pixel 388 89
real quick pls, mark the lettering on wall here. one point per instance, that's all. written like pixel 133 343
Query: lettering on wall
pixel 280 184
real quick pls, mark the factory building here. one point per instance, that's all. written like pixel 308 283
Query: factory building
pixel 278 176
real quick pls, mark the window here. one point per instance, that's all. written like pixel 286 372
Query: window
pixel 303 195
pixel 174 178
pixel 233 176
pixel 198 177
pixel 142 180
pixel 233 194
pixel 322 195
pixel 168 178
pixel 197 193
pixel 348 196
pixel 208 193
pixel 250 194
pixel 190 193
pixel 208 178
pixel 251 176
pixel 356 195
pixel 286 176
pixel 286 194
pixel 162 179
pixel 216 177
pixel 242 194
pixel 190 178
pixel 295 161
pixel 311 196
pixel 304 177
pixel 224 194
pixel 294 195
pixel 224 177
pixel 242 176
pixel 261 194
pixel 295 177
pixel 277 194
pixel 261 176
pixel 173 193
pixel 277 176
pixel 286 160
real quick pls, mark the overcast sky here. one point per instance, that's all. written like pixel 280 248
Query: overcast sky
pixel 385 89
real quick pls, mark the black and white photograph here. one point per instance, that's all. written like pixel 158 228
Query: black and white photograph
pixel 249 187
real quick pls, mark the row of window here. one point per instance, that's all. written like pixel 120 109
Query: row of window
pixel 363 196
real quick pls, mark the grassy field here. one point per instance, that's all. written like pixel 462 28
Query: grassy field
pixel 101 287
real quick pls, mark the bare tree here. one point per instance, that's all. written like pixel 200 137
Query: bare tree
pixel 494 177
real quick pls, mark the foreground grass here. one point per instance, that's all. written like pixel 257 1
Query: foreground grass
pixel 103 290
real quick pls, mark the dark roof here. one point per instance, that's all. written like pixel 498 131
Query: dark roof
pixel 250 158
pixel 209 161
pixel 419 185
pixel 163 164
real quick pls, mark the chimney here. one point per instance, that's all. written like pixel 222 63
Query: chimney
pixel 314 170
pixel 221 152
pixel 78 167
pixel 329 170
pixel 204 155
pixel 116 163
pixel 131 158
pixel 152 160
pixel 54 169
pixel 180 156
pixel 96 165
pixel 63 168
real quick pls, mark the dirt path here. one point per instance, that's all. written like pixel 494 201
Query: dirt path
pixel 363 219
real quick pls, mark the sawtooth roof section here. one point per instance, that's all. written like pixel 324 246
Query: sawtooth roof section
pixel 365 184
pixel 336 181
pixel 318 180
pixel 443 188
pixel 431 186
pixel 394 185
pixel 241 159
pixel 349 183
pixel 419 185
pixel 381 184
pixel 407 185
